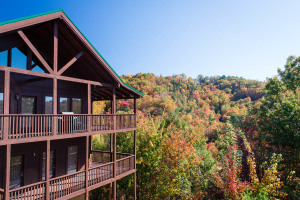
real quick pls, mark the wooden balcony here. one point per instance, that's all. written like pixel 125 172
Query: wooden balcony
pixel 27 128
pixel 74 184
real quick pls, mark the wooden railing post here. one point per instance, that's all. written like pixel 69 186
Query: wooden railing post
pixel 47 171
pixel 7 172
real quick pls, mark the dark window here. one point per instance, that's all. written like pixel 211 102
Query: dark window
pixel 52 165
pixel 76 106
pixel 48 105
pixel 72 159
pixel 64 104
pixel 1 103
pixel 28 105
pixel 16 172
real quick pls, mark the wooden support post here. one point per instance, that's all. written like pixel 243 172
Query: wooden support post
pixel 87 152
pixel 9 57
pixel 134 175
pixel 47 171
pixel 55 52
pixel 91 149
pixel 7 172
pixel 111 135
pixel 89 93
pixel 54 120
pixel 110 190
pixel 115 143
pixel 55 61
pixel 29 59
pixel 6 104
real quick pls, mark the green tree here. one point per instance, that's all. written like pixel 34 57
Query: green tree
pixel 279 118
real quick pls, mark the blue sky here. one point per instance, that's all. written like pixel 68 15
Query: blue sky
pixel 239 38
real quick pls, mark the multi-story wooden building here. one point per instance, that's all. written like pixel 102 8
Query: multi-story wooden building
pixel 50 74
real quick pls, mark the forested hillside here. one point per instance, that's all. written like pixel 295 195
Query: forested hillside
pixel 219 137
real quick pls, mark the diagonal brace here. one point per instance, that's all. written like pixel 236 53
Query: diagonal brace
pixel 35 51
pixel 71 62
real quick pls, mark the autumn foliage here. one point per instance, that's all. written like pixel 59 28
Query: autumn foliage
pixel 204 138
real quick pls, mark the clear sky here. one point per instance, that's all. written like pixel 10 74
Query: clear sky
pixel 246 38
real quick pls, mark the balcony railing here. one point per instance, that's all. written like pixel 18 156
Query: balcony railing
pixel 33 126
pixel 65 185
pixel 62 186
pixel 33 191
pixel 101 173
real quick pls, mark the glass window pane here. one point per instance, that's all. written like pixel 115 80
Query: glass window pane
pixel 76 106
pixel 52 165
pixel 28 105
pixel 16 172
pixel 48 105
pixel 3 58
pixel 19 60
pixel 64 104
pixel 1 103
pixel 72 159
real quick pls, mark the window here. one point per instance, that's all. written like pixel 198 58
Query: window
pixel 16 172
pixel 76 105
pixel 52 165
pixel 72 159
pixel 3 58
pixel 48 105
pixel 19 60
pixel 28 105
pixel 64 104
pixel 1 103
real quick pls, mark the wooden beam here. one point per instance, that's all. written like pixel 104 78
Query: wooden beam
pixel 134 149
pixel 29 22
pixel 89 93
pixel 55 53
pixel 29 59
pixel 9 57
pixel 6 104
pixel 7 172
pixel 47 171
pixel 35 51
pixel 87 152
pixel 65 78
pixel 71 62
pixel 54 105
pixel 115 143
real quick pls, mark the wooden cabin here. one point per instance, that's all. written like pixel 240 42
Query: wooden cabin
pixel 50 75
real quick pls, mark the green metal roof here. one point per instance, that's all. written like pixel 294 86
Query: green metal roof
pixel 61 10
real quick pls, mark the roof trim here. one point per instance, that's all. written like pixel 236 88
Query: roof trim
pixel 61 10
pixel 29 17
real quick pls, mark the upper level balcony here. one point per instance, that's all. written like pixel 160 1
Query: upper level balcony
pixel 35 127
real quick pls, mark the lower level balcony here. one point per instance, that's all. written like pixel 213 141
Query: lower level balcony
pixel 38 127
pixel 100 172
